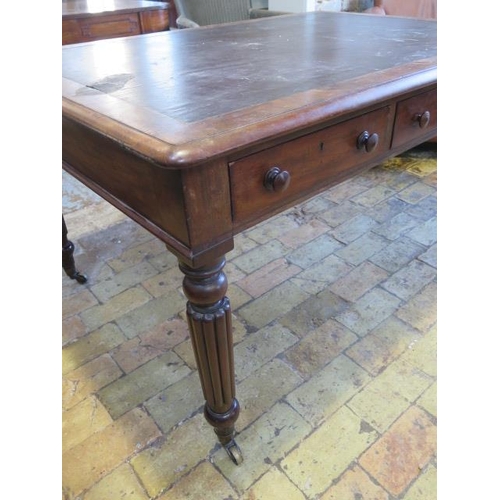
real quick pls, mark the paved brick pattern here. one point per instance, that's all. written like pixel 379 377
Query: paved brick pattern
pixel 334 313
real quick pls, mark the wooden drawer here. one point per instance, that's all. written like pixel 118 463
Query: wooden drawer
pixel 313 161
pixel 100 27
pixel 71 32
pixel 154 20
pixel 416 118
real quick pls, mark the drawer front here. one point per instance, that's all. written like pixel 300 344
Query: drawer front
pixel 312 162
pixel 103 27
pixel 71 32
pixel 154 20
pixel 415 118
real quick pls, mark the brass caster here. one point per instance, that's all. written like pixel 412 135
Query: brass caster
pixel 234 452
pixel 81 278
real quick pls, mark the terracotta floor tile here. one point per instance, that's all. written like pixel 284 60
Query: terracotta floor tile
pixel 401 454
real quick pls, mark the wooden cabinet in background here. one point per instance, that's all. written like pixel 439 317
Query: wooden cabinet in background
pixel 89 20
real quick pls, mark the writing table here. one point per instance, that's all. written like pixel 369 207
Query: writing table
pixel 87 20
pixel 198 134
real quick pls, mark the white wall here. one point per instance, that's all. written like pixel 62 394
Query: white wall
pixel 311 5
pixel 292 5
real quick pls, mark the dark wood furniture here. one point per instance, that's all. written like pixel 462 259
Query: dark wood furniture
pixel 68 261
pixel 197 134
pixel 88 20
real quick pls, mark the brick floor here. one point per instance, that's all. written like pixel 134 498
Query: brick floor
pixel 334 313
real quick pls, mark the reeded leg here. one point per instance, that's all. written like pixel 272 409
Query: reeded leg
pixel 209 318
pixel 68 262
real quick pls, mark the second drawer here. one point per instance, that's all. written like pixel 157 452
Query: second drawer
pixel 416 118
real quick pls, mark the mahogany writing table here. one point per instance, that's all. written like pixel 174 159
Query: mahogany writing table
pixel 198 134
pixel 87 20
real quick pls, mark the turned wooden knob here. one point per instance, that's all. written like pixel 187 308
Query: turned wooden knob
pixel 367 141
pixel 423 119
pixel 277 180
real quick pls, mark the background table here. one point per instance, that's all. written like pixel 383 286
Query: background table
pixel 88 20
pixel 199 134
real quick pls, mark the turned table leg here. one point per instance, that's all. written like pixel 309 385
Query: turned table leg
pixel 209 318
pixel 68 261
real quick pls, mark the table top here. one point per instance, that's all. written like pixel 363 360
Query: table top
pixel 83 8
pixel 184 96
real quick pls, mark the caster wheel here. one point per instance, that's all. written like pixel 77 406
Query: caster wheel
pixel 234 452
pixel 81 278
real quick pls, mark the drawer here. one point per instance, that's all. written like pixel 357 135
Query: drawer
pixel 100 27
pixel 270 180
pixel 416 117
pixel 71 32
pixel 109 26
pixel 154 20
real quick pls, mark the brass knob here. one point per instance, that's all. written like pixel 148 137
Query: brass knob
pixel 367 141
pixel 423 119
pixel 277 180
